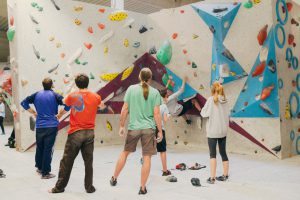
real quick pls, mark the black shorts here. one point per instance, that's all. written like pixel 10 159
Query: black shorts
pixel 186 107
pixel 162 146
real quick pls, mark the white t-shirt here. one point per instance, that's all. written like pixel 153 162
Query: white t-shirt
pixel 163 110
pixel 2 110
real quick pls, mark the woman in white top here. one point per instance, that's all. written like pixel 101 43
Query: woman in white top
pixel 217 112
pixel 2 114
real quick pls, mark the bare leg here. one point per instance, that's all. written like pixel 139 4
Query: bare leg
pixel 145 171
pixel 121 163
pixel 163 156
pixel 225 167
pixel 213 167
pixel 196 104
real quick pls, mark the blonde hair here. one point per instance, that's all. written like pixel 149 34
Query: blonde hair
pixel 145 76
pixel 218 89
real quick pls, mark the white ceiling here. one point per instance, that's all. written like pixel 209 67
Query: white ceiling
pixel 141 6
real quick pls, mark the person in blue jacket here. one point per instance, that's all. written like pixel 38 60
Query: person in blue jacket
pixel 46 103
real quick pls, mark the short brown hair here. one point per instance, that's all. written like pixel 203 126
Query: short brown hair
pixel 82 81
pixel 163 92
pixel 47 83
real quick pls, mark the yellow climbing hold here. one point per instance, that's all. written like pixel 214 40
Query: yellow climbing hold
pixel 77 22
pixel 287 113
pixel 118 16
pixel 256 1
pixel 78 8
pixel 214 67
pixel 24 82
pixel 108 125
pixel 59 92
pixel 126 42
pixel 195 36
pixel 127 73
pixel 51 38
pixel 232 73
pixel 109 76
pixel 106 50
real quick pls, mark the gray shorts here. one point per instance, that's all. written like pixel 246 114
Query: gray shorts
pixel 148 141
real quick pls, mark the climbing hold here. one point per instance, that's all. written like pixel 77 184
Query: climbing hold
pixel 118 16
pixel 282 21
pixel 248 4
pixel 33 4
pixel 175 35
pixel 259 69
pixel 11 21
pixel 295 62
pixel 292 135
pixel 184 51
pixel 262 35
pixel 43 59
pixel 53 69
pixel 84 63
pixel 78 8
pixel 55 5
pixel 164 53
pixel 90 29
pixel 136 44
pixel 212 29
pixel 194 65
pixel 263 54
pixel 294 83
pixel 195 74
pixel 175 142
pixel 201 87
pixel 135 56
pixel 66 81
pixel 266 92
pixel 293 21
pixel 244 88
pixel 226 53
pixel 105 50
pixel 77 61
pixel 33 19
pixel 289 6
pixel 213 67
pixel 195 36
pixel 108 125
pixel 126 73
pixel 181 11
pixel 40 8
pixel 88 45
pixel 266 108
pixel 37 53
pixel 188 62
pixel 152 50
pixel 185 143
pixel 11 33
pixel 62 55
pixel 102 10
pixel 24 82
pixel 143 29
pixel 37 30
pixel 77 22
pixel 256 1
pixel 101 26
pixel 280 83
pixel 58 45
pixel 109 76
pixel 126 42
pixel 106 37
pixel 272 66
pixel 226 24
pixel 287 112
pixel 92 76
pixel 294 95
pixel 51 38
pixel 289 54
pixel 291 39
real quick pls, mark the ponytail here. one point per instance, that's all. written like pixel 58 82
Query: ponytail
pixel 145 76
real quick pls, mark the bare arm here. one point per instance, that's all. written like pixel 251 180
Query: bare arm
pixel 157 118
pixel 166 117
pixel 124 114
pixel 30 110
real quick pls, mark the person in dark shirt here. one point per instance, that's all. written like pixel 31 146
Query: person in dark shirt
pixel 46 104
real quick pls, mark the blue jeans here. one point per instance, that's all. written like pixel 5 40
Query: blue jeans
pixel 45 139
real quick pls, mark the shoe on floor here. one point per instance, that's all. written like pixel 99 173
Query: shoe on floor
pixel 171 179
pixel 143 192
pixel 92 189
pixel 48 176
pixel 55 190
pixel 113 181
pixel 197 166
pixel 222 178
pixel 195 182
pixel 211 180
pixel 181 166
pixel 166 173
pixel 39 172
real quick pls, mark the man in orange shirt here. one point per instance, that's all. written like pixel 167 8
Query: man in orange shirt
pixel 84 104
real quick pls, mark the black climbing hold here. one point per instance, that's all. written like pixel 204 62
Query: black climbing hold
pixel 152 50
pixel 130 26
pixel 226 53
pixel 277 148
pixel 218 10
pixel 101 141
pixel 135 56
pixel 195 182
pixel 212 29
pixel 175 142
pixel 272 66
pixel 143 29
pixel 55 5
pixel 194 65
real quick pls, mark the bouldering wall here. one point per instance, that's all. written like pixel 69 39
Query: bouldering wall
pixel 236 43
pixel 62 39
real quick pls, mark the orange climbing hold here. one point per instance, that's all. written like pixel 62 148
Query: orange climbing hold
pixel 90 29
pixel 189 62
pixel 175 35
pixel 259 69
pixel 101 26
pixel 291 39
pixel 266 92
pixel 11 21
pixel 88 45
pixel 62 55
pixel 102 10
pixel 289 6
pixel 262 35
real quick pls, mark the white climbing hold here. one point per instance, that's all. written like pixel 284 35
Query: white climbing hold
pixel 106 37
pixel 128 23
pixel 75 56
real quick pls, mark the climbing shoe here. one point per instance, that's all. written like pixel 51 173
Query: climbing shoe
pixel 222 178
pixel 113 181
pixel 143 192
pixel 166 173
pixel 211 180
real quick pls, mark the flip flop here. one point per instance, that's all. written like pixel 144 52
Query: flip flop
pixel 197 166
pixel 181 166
pixel 195 182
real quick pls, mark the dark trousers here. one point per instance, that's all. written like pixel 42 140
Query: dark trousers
pixel 45 139
pixel 212 144
pixel 1 124
pixel 83 141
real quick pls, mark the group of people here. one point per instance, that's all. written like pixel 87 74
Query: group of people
pixel 148 110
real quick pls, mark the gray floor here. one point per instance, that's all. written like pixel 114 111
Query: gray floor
pixel 250 177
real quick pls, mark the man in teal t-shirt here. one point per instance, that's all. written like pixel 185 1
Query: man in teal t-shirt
pixel 142 103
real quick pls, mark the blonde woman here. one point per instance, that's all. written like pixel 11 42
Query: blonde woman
pixel 217 112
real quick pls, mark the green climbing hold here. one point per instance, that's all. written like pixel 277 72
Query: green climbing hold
pixel 248 4
pixel 194 65
pixel 84 63
pixel 34 4
pixel 164 53
pixel 40 8
pixel 11 33
pixel 92 76
pixel 77 61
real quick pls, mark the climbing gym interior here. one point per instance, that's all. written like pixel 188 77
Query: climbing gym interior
pixel 251 47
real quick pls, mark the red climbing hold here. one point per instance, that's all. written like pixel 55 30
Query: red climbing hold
pixel 101 26
pixel 174 36
pixel 62 55
pixel 189 62
pixel 289 6
pixel 294 83
pixel 259 69
pixel 11 21
pixel 181 11
pixel 266 92
pixel 90 29
pixel 184 51
pixel 102 10
pixel 291 39
pixel 88 45
pixel 262 35
pixel 245 103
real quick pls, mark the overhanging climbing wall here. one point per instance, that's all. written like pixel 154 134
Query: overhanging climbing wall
pixel 234 43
